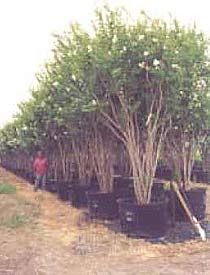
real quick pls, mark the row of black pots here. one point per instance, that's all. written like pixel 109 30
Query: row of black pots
pixel 150 220
pixel 123 188
pixel 78 194
pixel 69 191
pixel 60 187
pixel 102 205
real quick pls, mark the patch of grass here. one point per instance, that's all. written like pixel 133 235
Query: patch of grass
pixel 6 188
pixel 15 221
pixel 16 211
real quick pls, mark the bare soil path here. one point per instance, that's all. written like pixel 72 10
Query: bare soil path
pixel 54 240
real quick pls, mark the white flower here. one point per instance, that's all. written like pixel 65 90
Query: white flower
pixel 156 62
pixel 195 96
pixel 142 64
pixel 146 53
pixel 155 40
pixel 73 77
pixel 124 48
pixel 164 47
pixel 175 66
pixel 94 102
pixel 181 92
pixel 201 84
pixel 60 109
pixel 176 52
pixel 141 37
pixel 114 40
pixel 43 104
pixel 89 48
pixel 55 83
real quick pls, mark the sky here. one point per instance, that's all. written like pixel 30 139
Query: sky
pixel 26 28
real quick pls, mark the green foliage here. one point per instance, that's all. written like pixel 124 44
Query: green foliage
pixel 117 55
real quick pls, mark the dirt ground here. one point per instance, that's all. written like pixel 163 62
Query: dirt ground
pixel 55 239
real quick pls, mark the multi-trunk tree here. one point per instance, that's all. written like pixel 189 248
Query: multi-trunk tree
pixel 145 81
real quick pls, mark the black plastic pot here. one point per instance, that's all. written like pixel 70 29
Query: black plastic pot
pixel 19 172
pixel 149 220
pixel 123 187
pixel 51 185
pixel 78 196
pixel 198 175
pixel 30 177
pixel 163 172
pixel 204 177
pixel 196 201
pixel 63 190
pixel 158 192
pixel 102 205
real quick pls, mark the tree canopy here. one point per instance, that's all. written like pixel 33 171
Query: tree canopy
pixel 140 80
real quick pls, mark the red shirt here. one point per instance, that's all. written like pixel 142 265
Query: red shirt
pixel 40 166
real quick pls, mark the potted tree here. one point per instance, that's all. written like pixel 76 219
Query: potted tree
pixel 82 154
pixel 136 79
pixel 189 121
pixel 183 147
pixel 102 203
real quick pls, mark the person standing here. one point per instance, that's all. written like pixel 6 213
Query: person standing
pixel 40 167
